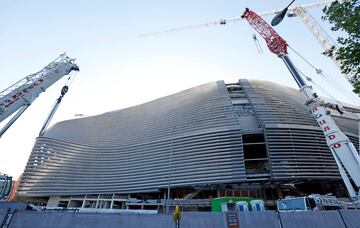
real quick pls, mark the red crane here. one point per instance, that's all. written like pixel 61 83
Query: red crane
pixel 343 151
pixel 274 41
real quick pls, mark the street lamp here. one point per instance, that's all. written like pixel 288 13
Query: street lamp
pixel 280 16
pixel 170 169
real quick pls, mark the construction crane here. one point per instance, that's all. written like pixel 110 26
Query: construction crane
pixel 343 151
pixel 18 97
pixel 5 186
pixel 239 18
pixel 300 11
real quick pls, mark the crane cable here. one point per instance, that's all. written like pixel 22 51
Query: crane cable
pixel 257 44
pixel 329 80
pixel 355 116
pixel 321 72
pixel 316 85
pixel 323 30
pixel 256 41
pixel 71 78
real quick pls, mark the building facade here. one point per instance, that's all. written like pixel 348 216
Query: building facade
pixel 250 139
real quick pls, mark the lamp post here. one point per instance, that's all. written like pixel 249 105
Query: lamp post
pixel 170 168
pixel 280 16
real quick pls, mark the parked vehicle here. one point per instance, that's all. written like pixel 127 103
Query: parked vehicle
pixel 314 202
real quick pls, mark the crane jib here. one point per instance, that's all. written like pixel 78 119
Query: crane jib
pixel 274 41
pixel 18 97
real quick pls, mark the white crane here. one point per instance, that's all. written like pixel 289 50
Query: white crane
pixel 18 97
pixel 300 11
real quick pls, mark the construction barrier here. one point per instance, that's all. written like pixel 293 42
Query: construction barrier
pixel 3 213
pixel 85 220
pixel 259 219
pixel 262 219
pixel 316 219
pixel 351 218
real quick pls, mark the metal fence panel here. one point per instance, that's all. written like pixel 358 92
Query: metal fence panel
pixel 320 219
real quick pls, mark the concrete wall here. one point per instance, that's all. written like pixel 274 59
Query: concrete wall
pixel 267 219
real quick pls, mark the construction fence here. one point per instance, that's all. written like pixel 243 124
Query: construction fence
pixel 19 217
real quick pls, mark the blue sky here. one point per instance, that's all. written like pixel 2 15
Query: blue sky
pixel 119 69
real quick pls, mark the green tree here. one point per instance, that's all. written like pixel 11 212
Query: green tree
pixel 345 17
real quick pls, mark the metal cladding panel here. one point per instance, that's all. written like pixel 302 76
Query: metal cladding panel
pixel 300 154
pixel 256 219
pixel 196 109
pixel 194 132
pixel 296 145
pixel 351 218
pixel 347 125
pixel 309 219
pixel 276 104
pixel 115 220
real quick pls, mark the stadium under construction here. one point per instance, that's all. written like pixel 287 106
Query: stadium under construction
pixel 245 139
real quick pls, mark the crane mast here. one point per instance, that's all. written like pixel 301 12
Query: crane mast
pixel 18 97
pixel 343 151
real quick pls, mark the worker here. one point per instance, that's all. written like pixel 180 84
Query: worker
pixel 177 216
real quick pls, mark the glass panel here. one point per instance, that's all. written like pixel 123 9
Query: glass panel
pixel 292 204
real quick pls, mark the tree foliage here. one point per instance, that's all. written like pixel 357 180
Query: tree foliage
pixel 345 17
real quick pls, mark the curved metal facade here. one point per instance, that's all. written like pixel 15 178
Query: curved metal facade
pixel 194 137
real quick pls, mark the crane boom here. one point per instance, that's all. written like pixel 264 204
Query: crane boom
pixel 343 151
pixel 322 37
pixel 236 19
pixel 300 11
pixel 18 97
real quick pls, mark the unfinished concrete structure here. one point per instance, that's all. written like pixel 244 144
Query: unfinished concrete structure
pixel 250 138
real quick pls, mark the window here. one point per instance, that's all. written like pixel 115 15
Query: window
pixel 292 204
pixel 311 203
